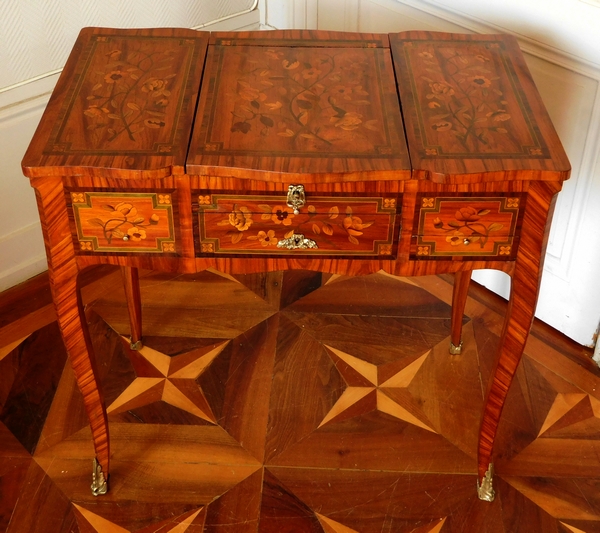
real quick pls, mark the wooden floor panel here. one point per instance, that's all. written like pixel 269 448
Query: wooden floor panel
pixel 291 402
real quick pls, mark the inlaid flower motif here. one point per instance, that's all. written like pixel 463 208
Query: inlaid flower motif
pixel 504 250
pixel 240 218
pixel 136 233
pixel 126 209
pixel 455 238
pixel 343 91
pixel 480 81
pixel 423 250
pixel 282 215
pixel 204 199
pixel 441 88
pixel 156 87
pixel 467 214
pixel 113 76
pixel 168 247
pixel 267 238
pixel 350 121
pixel 164 198
pixel 310 73
pixel 85 246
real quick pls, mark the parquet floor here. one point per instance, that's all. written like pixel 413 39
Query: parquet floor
pixel 294 402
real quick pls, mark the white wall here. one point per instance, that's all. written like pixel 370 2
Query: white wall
pixel 561 41
pixel 35 39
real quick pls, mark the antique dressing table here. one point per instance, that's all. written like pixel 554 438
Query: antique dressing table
pixel 416 153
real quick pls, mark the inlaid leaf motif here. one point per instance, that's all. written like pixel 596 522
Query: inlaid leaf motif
pixel 327 228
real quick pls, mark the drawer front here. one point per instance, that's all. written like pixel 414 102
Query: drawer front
pixel 483 226
pixel 126 222
pixel 265 225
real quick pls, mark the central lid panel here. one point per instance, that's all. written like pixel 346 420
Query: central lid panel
pixel 322 106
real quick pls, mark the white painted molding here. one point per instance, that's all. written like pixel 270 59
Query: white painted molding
pixel 296 14
pixel 527 44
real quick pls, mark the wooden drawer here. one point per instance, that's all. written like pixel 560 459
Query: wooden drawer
pixel 469 226
pixel 123 222
pixel 260 224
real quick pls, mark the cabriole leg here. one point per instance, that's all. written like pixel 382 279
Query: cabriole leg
pixel 63 273
pixel 517 324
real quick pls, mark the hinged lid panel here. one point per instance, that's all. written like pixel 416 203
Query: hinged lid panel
pixel 319 105
pixel 123 106
pixel 472 110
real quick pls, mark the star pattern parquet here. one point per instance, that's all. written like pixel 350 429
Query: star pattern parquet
pixel 292 402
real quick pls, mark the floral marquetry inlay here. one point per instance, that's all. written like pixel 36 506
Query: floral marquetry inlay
pixel 257 224
pixel 127 97
pixel 305 100
pixel 124 222
pixel 469 100
pixel 468 226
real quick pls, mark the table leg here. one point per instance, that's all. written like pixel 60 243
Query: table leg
pixel 519 318
pixel 462 280
pixel 134 304
pixel 63 273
